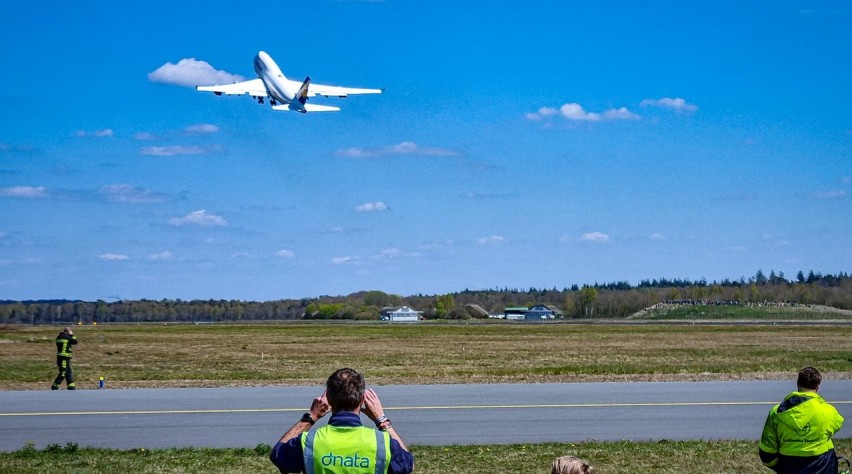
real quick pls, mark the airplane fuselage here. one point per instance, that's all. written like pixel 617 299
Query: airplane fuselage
pixel 283 93
pixel 276 83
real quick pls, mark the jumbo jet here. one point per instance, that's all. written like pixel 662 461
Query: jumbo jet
pixel 283 93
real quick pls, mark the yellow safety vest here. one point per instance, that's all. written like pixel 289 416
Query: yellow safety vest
pixel 346 450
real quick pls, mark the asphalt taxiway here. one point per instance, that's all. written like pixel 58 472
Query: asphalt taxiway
pixel 422 414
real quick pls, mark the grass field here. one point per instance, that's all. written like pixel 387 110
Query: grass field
pixel 664 457
pixel 158 355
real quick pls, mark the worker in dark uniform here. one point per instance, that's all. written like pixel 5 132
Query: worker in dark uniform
pixel 64 341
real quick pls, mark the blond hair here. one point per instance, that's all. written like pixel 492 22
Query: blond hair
pixel 570 465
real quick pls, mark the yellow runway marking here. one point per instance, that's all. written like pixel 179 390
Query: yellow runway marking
pixel 403 408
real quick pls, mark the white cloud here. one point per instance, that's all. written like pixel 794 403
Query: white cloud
pixel 24 192
pixel 677 104
pixel 190 73
pixel 403 148
pixel 106 132
pixel 200 218
pixel 284 253
pixel 4 147
pixel 344 260
pixel 202 128
pixel 619 114
pixel 657 236
pixel 595 237
pixel 174 150
pixel 493 239
pixel 575 112
pixel 393 252
pixel 144 136
pixel 113 256
pixel 542 113
pixel 434 246
pixel 164 255
pixel 126 193
pixel 372 206
pixel 830 195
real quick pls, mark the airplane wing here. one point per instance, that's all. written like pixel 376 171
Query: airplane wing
pixel 254 87
pixel 333 91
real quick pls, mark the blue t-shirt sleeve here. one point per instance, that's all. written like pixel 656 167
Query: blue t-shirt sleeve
pixel 402 462
pixel 287 457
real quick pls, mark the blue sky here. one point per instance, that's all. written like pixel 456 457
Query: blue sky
pixel 516 145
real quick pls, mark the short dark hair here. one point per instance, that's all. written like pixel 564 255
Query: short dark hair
pixel 345 390
pixel 809 378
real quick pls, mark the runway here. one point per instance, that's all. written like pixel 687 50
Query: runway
pixel 422 414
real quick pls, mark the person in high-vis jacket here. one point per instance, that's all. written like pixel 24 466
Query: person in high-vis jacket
pixel 344 445
pixel 797 434
pixel 64 341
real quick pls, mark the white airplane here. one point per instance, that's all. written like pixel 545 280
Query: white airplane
pixel 283 93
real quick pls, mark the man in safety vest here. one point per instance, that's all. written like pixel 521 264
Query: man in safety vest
pixel 64 341
pixel 797 433
pixel 344 445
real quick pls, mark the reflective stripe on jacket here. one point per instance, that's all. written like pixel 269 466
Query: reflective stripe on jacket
pixel 63 344
pixel 346 449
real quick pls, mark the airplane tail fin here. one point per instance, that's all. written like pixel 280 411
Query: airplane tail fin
pixel 302 95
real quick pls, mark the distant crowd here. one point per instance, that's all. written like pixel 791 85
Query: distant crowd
pixel 750 304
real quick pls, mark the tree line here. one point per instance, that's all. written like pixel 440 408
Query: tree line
pixel 606 300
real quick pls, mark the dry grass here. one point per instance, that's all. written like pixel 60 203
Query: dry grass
pixel 305 353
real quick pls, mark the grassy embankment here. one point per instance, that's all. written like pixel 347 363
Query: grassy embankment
pixel 753 313
pixel 664 457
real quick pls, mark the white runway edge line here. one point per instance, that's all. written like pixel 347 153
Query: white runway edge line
pixel 404 408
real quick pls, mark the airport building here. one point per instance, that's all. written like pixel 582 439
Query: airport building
pixel 400 314
pixel 543 311
pixel 535 312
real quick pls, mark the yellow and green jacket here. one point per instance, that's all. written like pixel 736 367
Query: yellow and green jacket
pixel 797 435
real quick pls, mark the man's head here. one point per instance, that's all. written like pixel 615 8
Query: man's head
pixel 345 390
pixel 67 330
pixel 809 379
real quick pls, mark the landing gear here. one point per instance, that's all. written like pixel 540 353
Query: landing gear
pixel 259 100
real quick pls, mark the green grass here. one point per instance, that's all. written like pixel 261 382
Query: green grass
pixel 304 354
pixel 681 457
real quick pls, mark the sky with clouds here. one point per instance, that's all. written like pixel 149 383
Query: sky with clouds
pixel 541 144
